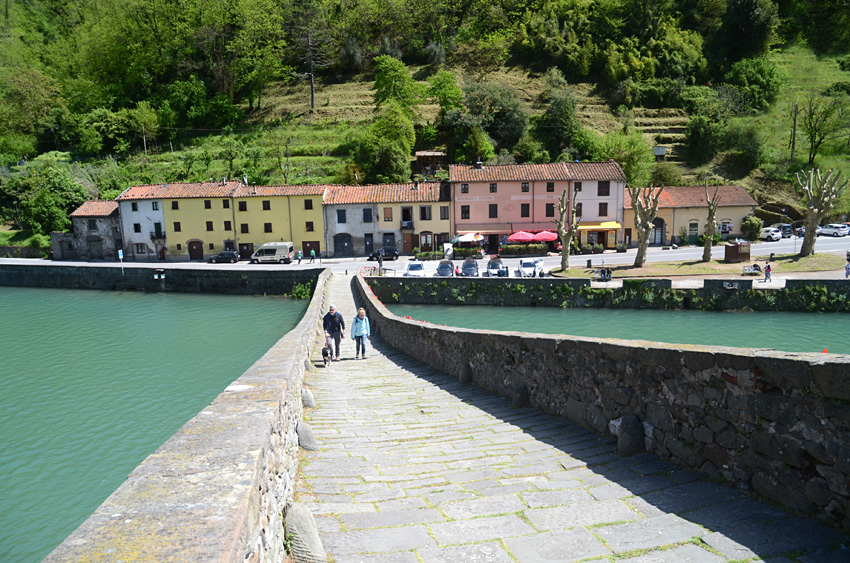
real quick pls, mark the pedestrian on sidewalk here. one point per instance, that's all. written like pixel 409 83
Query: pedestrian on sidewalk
pixel 847 270
pixel 767 270
pixel 312 255
pixel 334 325
pixel 299 257
pixel 360 332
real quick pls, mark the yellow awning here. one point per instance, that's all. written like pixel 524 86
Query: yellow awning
pixel 599 226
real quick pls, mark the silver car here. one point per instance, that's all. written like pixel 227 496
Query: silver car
pixel 834 229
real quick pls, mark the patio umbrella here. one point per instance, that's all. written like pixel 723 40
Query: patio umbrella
pixel 545 236
pixel 521 236
pixel 470 237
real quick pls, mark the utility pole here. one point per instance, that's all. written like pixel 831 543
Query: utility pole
pixel 144 139
pixel 793 143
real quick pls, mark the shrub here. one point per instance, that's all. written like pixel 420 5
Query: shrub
pixel 586 249
pixel 598 249
pixel 838 89
pixel 704 138
pixel 751 227
pixel 666 174
pixel 431 255
pixel 759 78
pixel 683 236
pixel 747 140
pixel 621 247
pixel 844 63
pixel 715 240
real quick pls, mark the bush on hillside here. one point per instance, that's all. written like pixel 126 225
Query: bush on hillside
pixel 844 63
pixel 838 89
pixel 759 78
pixel 666 174
pixel 704 138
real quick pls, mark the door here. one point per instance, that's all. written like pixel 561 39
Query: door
pixel 656 235
pixel 426 241
pixel 342 245
pixel 161 253
pixel 309 245
pixel 196 250
pixel 95 250
pixel 407 242
pixel 246 250
pixel 368 243
pixel 388 240
pixel 157 230
pixel 493 244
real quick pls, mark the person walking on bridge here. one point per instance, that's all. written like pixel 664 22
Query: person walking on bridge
pixel 334 325
pixel 360 332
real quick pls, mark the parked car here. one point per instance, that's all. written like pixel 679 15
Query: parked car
pixel 414 269
pixel 787 229
pixel 529 268
pixel 802 230
pixel 770 233
pixel 282 252
pixel 496 269
pixel 469 268
pixel 445 269
pixel 389 254
pixel 834 229
pixel 228 256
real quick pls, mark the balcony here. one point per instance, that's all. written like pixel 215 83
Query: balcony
pixel 157 235
pixel 407 225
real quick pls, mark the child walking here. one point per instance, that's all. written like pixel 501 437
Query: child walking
pixel 360 332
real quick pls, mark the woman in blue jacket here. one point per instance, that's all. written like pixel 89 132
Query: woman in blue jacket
pixel 360 332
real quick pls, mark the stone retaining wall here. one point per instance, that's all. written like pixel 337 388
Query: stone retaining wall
pixel 216 490
pixel 769 421
pixel 19 252
pixel 255 281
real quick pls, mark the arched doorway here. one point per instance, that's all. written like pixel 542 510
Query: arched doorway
pixel 342 245
pixel 656 235
pixel 196 250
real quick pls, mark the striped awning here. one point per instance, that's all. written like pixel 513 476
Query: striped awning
pixel 599 226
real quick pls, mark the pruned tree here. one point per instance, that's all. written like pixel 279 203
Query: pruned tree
pixel 821 193
pixel 566 232
pixel 645 206
pixel 710 222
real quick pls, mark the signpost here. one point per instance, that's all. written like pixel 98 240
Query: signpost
pixel 121 258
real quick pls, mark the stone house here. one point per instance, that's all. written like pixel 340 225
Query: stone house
pixel 95 233
pixel 683 210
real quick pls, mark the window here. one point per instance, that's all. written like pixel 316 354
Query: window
pixel 464 212
pixel 493 188
pixel 388 213
pixel 267 205
pixel 424 212
pixel 243 206
pixel 550 210
pixel 207 204
pixel 550 186
pixel 340 215
pixel 444 212
pixel 267 227
pixel 134 206
pixel 179 247
pixel 225 204
pixel 525 210
pixel 212 246
pixel 177 226
pixel 137 227
pixel 464 188
pixel 494 210
pixel 604 189
pixel 141 248
pixel 577 187
pixel 209 225
pixel 155 205
pixel 308 204
pixel 525 187
pixel 92 224
pixel 367 214
pixel 227 226
pixel 309 227
pixel 578 210
pixel 693 229
pixel 243 227
pixel 603 209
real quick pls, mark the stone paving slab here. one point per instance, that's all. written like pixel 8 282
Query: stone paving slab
pixel 415 467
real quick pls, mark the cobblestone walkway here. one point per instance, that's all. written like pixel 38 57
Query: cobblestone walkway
pixel 415 467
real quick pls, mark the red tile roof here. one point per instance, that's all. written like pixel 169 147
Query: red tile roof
pixel 694 196
pixel 96 209
pixel 178 190
pixel 609 170
pixel 269 191
pixel 383 193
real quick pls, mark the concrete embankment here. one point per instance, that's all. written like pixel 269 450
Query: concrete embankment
pixel 764 420
pixel 215 491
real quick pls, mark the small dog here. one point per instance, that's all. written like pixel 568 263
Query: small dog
pixel 327 355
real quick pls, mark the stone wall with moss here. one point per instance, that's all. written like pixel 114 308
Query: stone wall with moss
pixel 777 423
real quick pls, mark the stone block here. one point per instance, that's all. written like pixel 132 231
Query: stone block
pixel 832 380
pixel 300 529
pixel 520 396
pixel 704 435
pixel 775 408
pixel 718 456
pixel 307 398
pixel 576 411
pixel 817 491
pixel 306 438
pixel 630 438
pixel 660 416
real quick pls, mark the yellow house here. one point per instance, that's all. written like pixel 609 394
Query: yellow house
pixel 279 213
pixel 682 212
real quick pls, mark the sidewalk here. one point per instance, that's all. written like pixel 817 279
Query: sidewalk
pixel 415 467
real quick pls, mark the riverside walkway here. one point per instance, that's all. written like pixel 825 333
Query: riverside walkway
pixel 415 467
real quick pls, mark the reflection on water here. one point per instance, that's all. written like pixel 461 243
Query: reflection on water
pixel 789 332
pixel 93 382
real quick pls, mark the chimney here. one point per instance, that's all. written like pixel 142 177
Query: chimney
pixel 245 179
pixel 479 165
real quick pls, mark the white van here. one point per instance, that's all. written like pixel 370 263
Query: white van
pixel 282 252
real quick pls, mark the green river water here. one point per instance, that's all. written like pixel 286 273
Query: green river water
pixel 789 332
pixel 93 382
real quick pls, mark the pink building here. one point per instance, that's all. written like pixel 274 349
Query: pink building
pixel 496 201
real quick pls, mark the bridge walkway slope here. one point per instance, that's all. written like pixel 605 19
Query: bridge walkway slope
pixel 415 467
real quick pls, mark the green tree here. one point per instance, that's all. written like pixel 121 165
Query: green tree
pixel 749 28
pixel 558 125
pixel 821 120
pixel 630 150
pixel 529 149
pixel 394 83
pixel 497 108
pixel 46 199
pixel 478 146
pixel 443 89
pixel 759 79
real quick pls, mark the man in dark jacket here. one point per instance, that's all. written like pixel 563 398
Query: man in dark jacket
pixel 334 325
